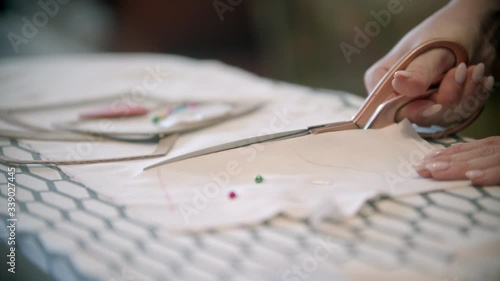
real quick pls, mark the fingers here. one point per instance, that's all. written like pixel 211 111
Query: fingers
pixel 427 111
pixel 481 151
pixel 488 177
pixel 491 141
pixel 469 101
pixel 462 92
pixel 478 161
pixel 459 98
pixel 422 72
pixel 426 70
pixel 450 169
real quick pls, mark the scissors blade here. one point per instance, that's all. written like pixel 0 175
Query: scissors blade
pixel 232 145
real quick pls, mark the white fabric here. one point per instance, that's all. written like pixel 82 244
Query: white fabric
pixel 351 166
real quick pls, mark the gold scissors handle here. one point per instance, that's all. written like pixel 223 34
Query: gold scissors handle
pixel 380 108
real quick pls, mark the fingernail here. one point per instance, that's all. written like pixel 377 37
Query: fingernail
pixel 461 73
pixel 488 85
pixel 436 152
pixel 431 110
pixel 420 166
pixel 478 72
pixel 403 73
pixel 437 166
pixel 474 174
pixel 427 158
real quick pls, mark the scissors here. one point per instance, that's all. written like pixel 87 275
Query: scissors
pixel 379 109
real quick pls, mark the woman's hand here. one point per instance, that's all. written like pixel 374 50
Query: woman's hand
pixel 463 89
pixel 478 161
pixel 464 22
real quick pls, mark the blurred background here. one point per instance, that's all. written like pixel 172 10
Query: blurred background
pixel 295 41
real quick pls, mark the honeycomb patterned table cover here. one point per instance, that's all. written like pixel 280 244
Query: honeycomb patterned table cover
pixel 72 233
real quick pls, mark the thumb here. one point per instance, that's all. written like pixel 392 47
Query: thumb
pixel 422 72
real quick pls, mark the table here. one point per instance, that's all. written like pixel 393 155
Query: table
pixel 74 233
